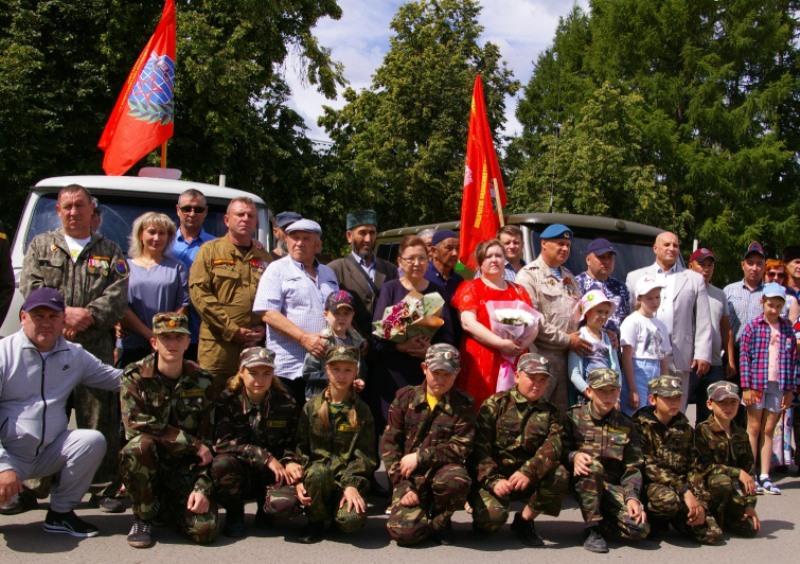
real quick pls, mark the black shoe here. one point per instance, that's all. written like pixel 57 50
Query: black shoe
pixel 263 520
pixel 108 504
pixel 68 523
pixel 141 534
pixel 526 531
pixel 594 541
pixel 20 503
pixel 312 533
pixel 443 530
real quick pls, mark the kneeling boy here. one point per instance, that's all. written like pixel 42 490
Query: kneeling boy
pixel 724 451
pixel 427 440
pixel 517 454
pixel 601 447
pixel 674 485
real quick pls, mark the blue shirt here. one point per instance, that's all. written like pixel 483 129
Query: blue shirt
pixel 287 288
pixel 614 290
pixel 369 269
pixel 186 253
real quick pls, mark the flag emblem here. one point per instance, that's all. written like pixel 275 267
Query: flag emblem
pixel 151 99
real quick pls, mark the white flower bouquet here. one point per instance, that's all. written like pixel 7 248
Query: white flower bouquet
pixel 513 320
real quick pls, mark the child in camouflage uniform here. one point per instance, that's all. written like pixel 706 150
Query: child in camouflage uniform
pixel 336 447
pixel 256 420
pixel 674 486
pixel 167 411
pixel 724 452
pixel 517 454
pixel 427 440
pixel 601 450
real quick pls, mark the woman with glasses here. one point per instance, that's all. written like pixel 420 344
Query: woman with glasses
pixel 399 365
pixel 775 271
pixel 157 283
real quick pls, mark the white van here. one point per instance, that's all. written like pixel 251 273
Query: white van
pixel 122 199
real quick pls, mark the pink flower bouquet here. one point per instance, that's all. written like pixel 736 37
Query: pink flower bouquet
pixel 416 315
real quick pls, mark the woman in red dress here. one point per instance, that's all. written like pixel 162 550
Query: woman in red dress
pixel 482 350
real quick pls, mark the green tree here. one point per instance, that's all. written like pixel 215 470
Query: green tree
pixel 399 145
pixel 695 99
pixel 61 72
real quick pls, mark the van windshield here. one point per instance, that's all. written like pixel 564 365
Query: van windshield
pixel 118 214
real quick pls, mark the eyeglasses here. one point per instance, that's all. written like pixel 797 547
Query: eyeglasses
pixel 414 260
pixel 195 209
pixel 776 275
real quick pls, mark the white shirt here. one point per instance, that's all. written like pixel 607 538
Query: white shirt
pixel 647 335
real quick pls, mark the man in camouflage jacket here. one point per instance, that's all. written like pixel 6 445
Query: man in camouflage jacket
pixel 517 454
pixel 427 440
pixel 168 421
pixel 676 493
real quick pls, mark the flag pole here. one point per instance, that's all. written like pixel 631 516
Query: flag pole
pixel 499 204
pixel 164 161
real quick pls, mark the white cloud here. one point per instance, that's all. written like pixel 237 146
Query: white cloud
pixel 360 40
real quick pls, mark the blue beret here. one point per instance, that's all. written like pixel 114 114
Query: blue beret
pixel 556 231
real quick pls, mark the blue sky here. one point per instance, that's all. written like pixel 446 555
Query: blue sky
pixel 360 40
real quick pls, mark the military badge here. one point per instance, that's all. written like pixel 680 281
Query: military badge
pixel 121 268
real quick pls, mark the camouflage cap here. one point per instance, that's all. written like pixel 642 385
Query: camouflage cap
pixel 342 353
pixel 533 363
pixel 665 386
pixel 722 390
pixel 256 356
pixel 603 378
pixel 442 356
pixel 170 323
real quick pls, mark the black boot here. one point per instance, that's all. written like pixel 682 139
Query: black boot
pixel 312 533
pixel 234 521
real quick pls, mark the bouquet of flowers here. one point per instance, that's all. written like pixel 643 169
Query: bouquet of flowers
pixel 416 315
pixel 513 320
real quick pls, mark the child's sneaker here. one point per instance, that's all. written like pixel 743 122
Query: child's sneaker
pixel 768 487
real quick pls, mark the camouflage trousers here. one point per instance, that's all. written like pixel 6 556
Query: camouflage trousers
pixel 729 505
pixel 156 480
pixel 235 481
pixel 325 494
pixel 442 494
pixel 490 512
pixel 665 505
pixel 604 503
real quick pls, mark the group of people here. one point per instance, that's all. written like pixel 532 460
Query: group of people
pixel 245 373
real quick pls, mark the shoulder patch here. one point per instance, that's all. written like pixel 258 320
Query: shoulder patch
pixel 121 267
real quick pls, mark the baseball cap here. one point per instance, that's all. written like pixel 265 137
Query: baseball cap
pixel 533 363
pixel 304 225
pixel 665 386
pixel 556 231
pixel 600 246
pixel 256 356
pixel 442 356
pixel 44 297
pixel 603 378
pixel 647 283
pixel 755 247
pixel 594 298
pixel 286 218
pixel 774 290
pixel 702 254
pixel 170 323
pixel 339 299
pixel 342 353
pixel 718 391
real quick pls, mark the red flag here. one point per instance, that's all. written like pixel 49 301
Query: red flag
pixel 142 117
pixel 479 218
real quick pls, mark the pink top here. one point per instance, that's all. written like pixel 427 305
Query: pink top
pixel 774 352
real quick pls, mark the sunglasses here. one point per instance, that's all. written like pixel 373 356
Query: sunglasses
pixel 776 274
pixel 195 209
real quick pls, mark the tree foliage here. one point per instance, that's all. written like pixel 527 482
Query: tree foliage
pixel 678 113
pixel 63 63
pixel 399 145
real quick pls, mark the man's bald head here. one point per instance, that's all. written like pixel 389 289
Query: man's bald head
pixel 667 248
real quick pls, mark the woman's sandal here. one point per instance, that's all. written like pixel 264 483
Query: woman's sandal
pixel 770 488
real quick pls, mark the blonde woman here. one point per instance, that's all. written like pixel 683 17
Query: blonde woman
pixel 157 283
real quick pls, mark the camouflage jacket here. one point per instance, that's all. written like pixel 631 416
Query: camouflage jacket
pixel 718 454
pixel 516 435
pixel 348 451
pixel 97 281
pixel 178 418
pixel 670 457
pixel 612 440
pixel 442 436
pixel 254 433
